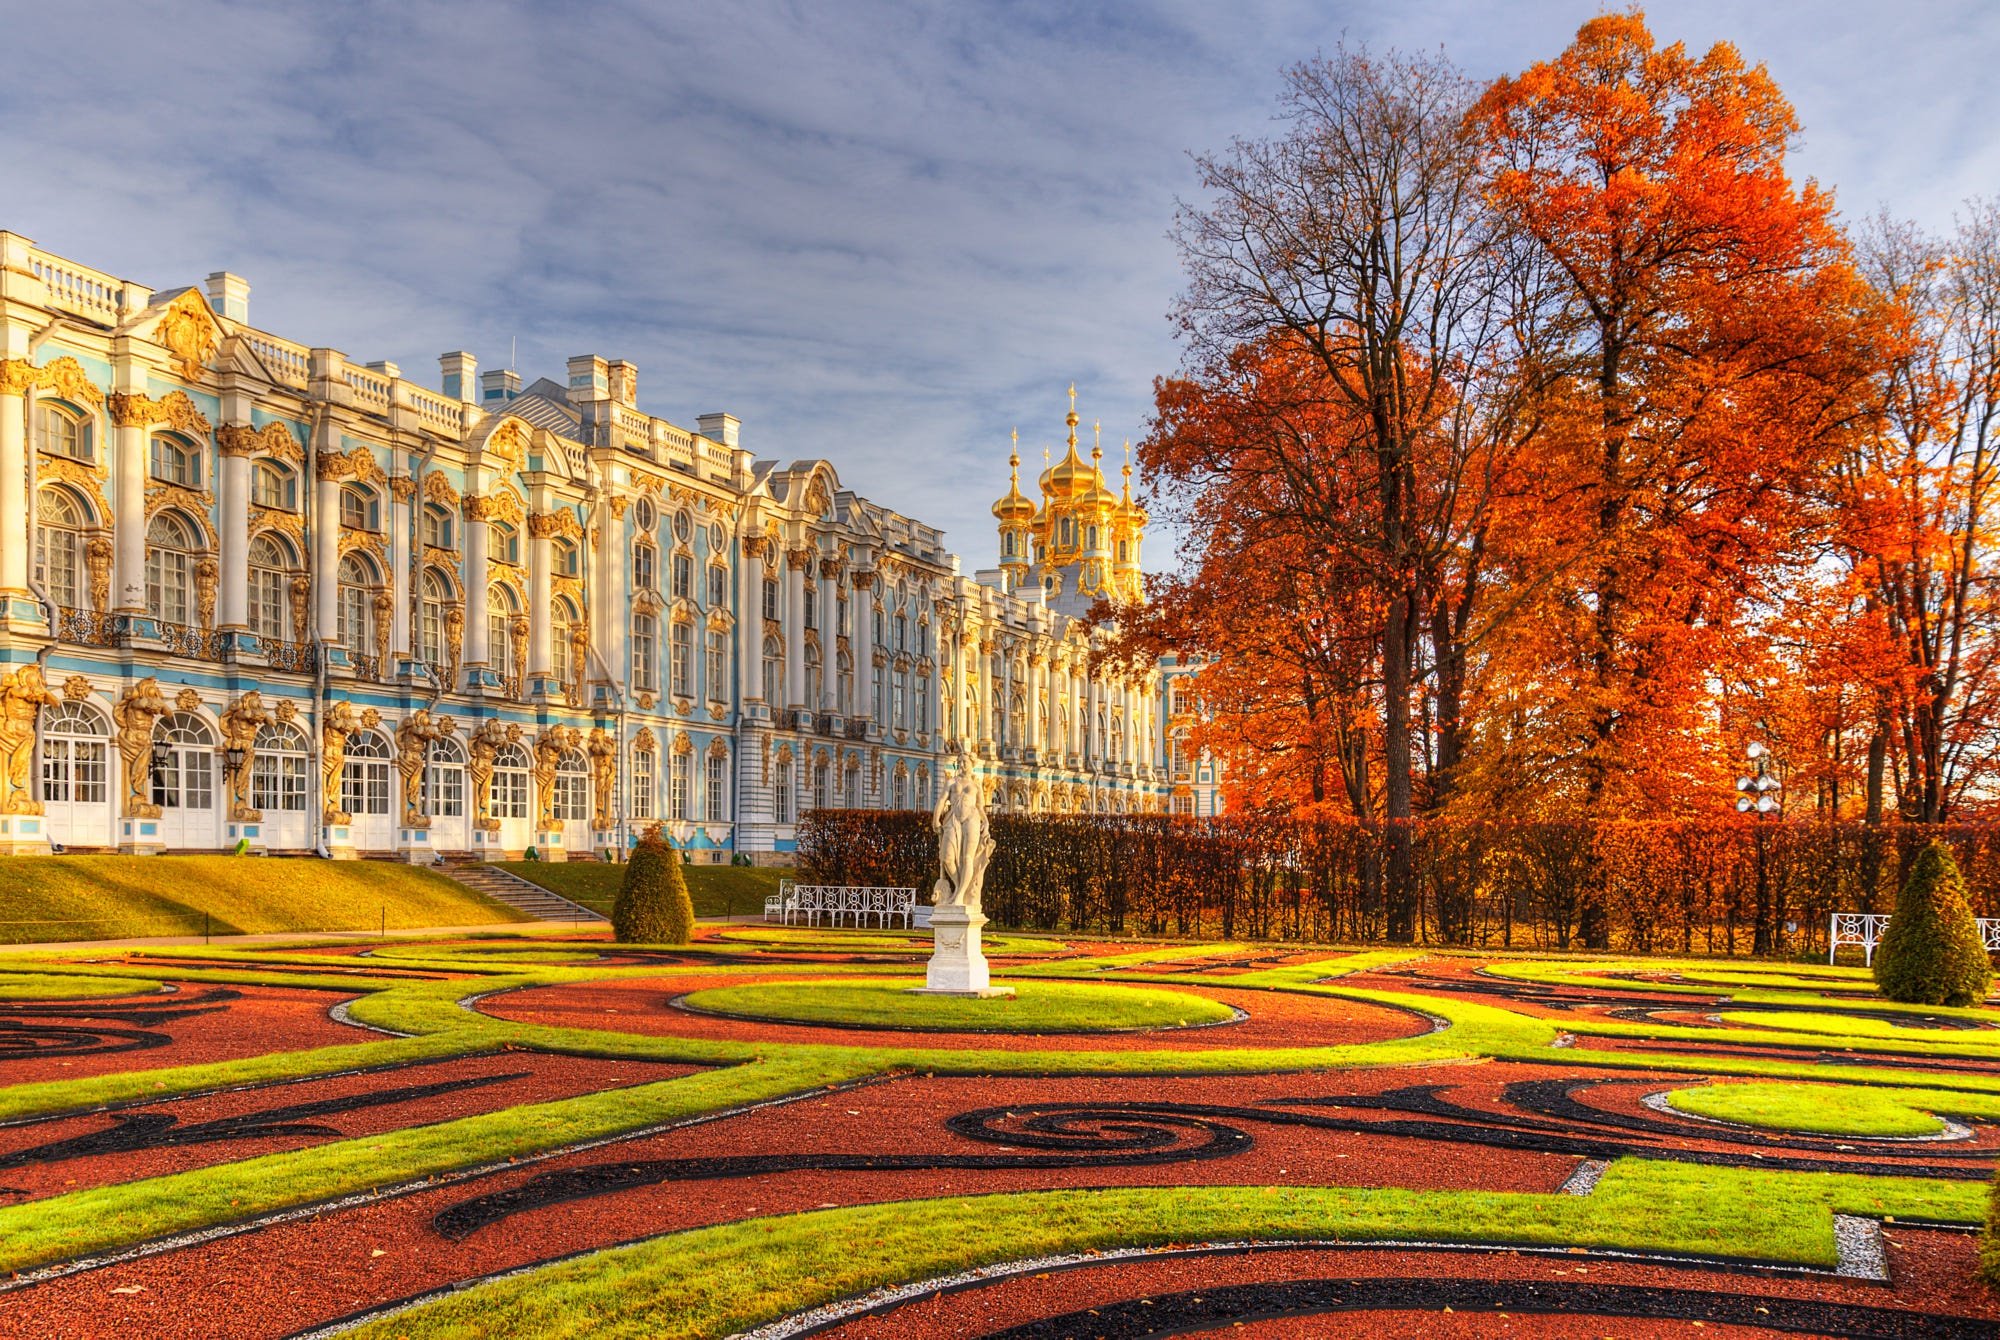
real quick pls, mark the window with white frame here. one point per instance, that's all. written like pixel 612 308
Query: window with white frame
pixel 444 780
pixel 715 788
pixel 59 546
pixel 645 652
pixel 76 744
pixel 683 576
pixel 432 644
pixel 436 528
pixel 270 577
pixel 645 777
pixel 683 660
pixel 171 548
pixel 682 777
pixel 360 508
pixel 364 778
pixel 718 586
pixel 509 796
pixel 781 789
pixel 774 672
pixel 645 567
pixel 356 606
pixel 175 461
pixel 273 485
pixel 572 787
pixel 718 665
pixel 64 432
pixel 281 772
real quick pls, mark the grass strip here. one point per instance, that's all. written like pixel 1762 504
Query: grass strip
pixel 719 1281
pixel 1833 1109
pixel 1068 1007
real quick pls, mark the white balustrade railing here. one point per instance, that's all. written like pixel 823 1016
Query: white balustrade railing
pixel 78 289
pixel 289 363
pixel 848 904
pixel 1866 929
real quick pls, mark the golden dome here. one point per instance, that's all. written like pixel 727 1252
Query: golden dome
pixel 1016 506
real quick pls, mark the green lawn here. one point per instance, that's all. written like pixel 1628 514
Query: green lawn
pixel 717 890
pixel 1037 1007
pixel 111 897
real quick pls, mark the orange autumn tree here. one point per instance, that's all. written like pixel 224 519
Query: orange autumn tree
pixel 1713 333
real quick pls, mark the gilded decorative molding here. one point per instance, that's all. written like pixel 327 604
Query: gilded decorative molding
pixel 384 609
pixel 187 331
pixel 275 518
pixel 75 473
pixel 97 556
pixel 618 505
pixel 274 439
pixel 240 723
pixel 642 739
pixel 403 487
pixel 438 489
pixel 23 695
pixel 440 557
pixel 603 774
pixel 135 712
pixel 207 572
pixel 547 525
pixel 482 749
pixel 414 736
pixel 175 409
pixel 66 377
pixel 570 587
pixel 299 594
pixel 517 638
pixel 754 546
pixel 454 641
pixel 508 445
pixel 579 658
pixel 367 540
pixel 18 376
pixel 502 505
pixel 162 495
pixel 549 747
pixel 358 464
pixel 76 689
pixel 799 558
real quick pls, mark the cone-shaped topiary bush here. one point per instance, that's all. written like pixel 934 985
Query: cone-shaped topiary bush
pixel 653 906
pixel 1932 953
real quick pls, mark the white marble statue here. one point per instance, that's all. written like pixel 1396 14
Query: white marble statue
pixel 965 839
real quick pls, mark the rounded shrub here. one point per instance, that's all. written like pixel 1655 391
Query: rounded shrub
pixel 653 906
pixel 1932 953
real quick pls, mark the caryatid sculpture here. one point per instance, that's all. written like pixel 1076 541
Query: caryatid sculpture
pixel 240 724
pixel 337 724
pixel 135 712
pixel 413 746
pixel 603 774
pixel 483 748
pixel 23 695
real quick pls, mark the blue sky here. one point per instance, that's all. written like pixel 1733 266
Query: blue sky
pixel 880 232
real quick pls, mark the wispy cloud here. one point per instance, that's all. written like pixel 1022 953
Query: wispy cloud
pixel 879 232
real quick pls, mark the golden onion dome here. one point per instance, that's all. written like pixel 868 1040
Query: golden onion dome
pixel 1016 506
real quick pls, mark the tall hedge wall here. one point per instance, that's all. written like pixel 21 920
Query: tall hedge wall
pixel 1680 887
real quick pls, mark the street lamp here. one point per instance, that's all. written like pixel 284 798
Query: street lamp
pixel 1762 794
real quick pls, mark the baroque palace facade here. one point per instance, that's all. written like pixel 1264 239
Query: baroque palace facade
pixel 252 593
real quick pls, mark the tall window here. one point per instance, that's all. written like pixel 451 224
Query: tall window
pixel 822 782
pixel 272 485
pixel 175 462
pixel 59 546
pixel 561 631
pixel 278 775
pixel 781 789
pixel 812 604
pixel 683 660
pixel 63 433
pixel 444 780
pixel 645 567
pixel 898 787
pixel 75 755
pixel 715 789
pixel 923 721
pixel 364 779
pixel 774 672
pixel 170 553
pixel 437 529
pixel 509 796
pixel 360 509
pixel 812 676
pixel 844 682
pixel 645 652
pixel 718 665
pixel 431 618
pixel 500 611
pixel 683 576
pixel 645 768
pixel 851 785
pixel 840 622
pixel 770 598
pixel 269 575
pixel 357 606
pixel 682 770
pixel 572 787
pixel 718 586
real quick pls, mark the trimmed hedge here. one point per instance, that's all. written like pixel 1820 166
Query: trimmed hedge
pixel 1932 952
pixel 653 906
pixel 1989 1241
pixel 1689 887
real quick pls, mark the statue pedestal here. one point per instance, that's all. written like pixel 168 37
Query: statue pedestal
pixel 24 835
pixel 958 966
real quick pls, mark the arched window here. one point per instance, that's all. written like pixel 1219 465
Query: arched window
pixel 175 461
pixel 504 542
pixel 645 567
pixel 844 682
pixel 444 779
pixel 774 672
pixel 683 660
pixel 360 509
pixel 59 553
pixel 1090 538
pixel 679 783
pixel 273 485
pixel 270 575
pixel 64 432
pixel 187 781
pixel 279 774
pixel 645 778
pixel 364 778
pixel 501 608
pixel 511 769
pixel 358 586
pixel 431 618
pixel 171 547
pixel 572 787
pixel 813 677
pixel 715 788
pixel 718 666
pixel 437 529
pixel 563 555
pixel 75 755
pixel 645 653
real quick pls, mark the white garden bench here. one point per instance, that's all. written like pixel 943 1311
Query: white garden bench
pixel 841 904
pixel 1866 929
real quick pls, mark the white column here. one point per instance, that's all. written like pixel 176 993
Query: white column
pixel 795 629
pixel 541 600
pixel 863 641
pixel 829 642
pixel 477 654
pixel 611 602
pixel 399 575
pixel 982 667
pixel 750 622
pixel 14 377
pixel 326 554
pixel 235 540
pixel 1034 723
pixel 129 531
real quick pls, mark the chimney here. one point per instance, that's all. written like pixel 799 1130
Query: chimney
pixel 589 379
pixel 719 427
pixel 386 368
pixel 229 296
pixel 624 381
pixel 499 386
pixel 458 368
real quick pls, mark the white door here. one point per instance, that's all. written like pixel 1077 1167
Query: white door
pixel 513 799
pixel 185 783
pixel 573 800
pixel 444 796
pixel 281 787
pixel 366 794
pixel 76 776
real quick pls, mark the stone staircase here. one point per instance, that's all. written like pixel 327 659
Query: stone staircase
pixel 523 895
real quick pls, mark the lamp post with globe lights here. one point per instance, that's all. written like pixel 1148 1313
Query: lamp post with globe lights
pixel 1761 795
